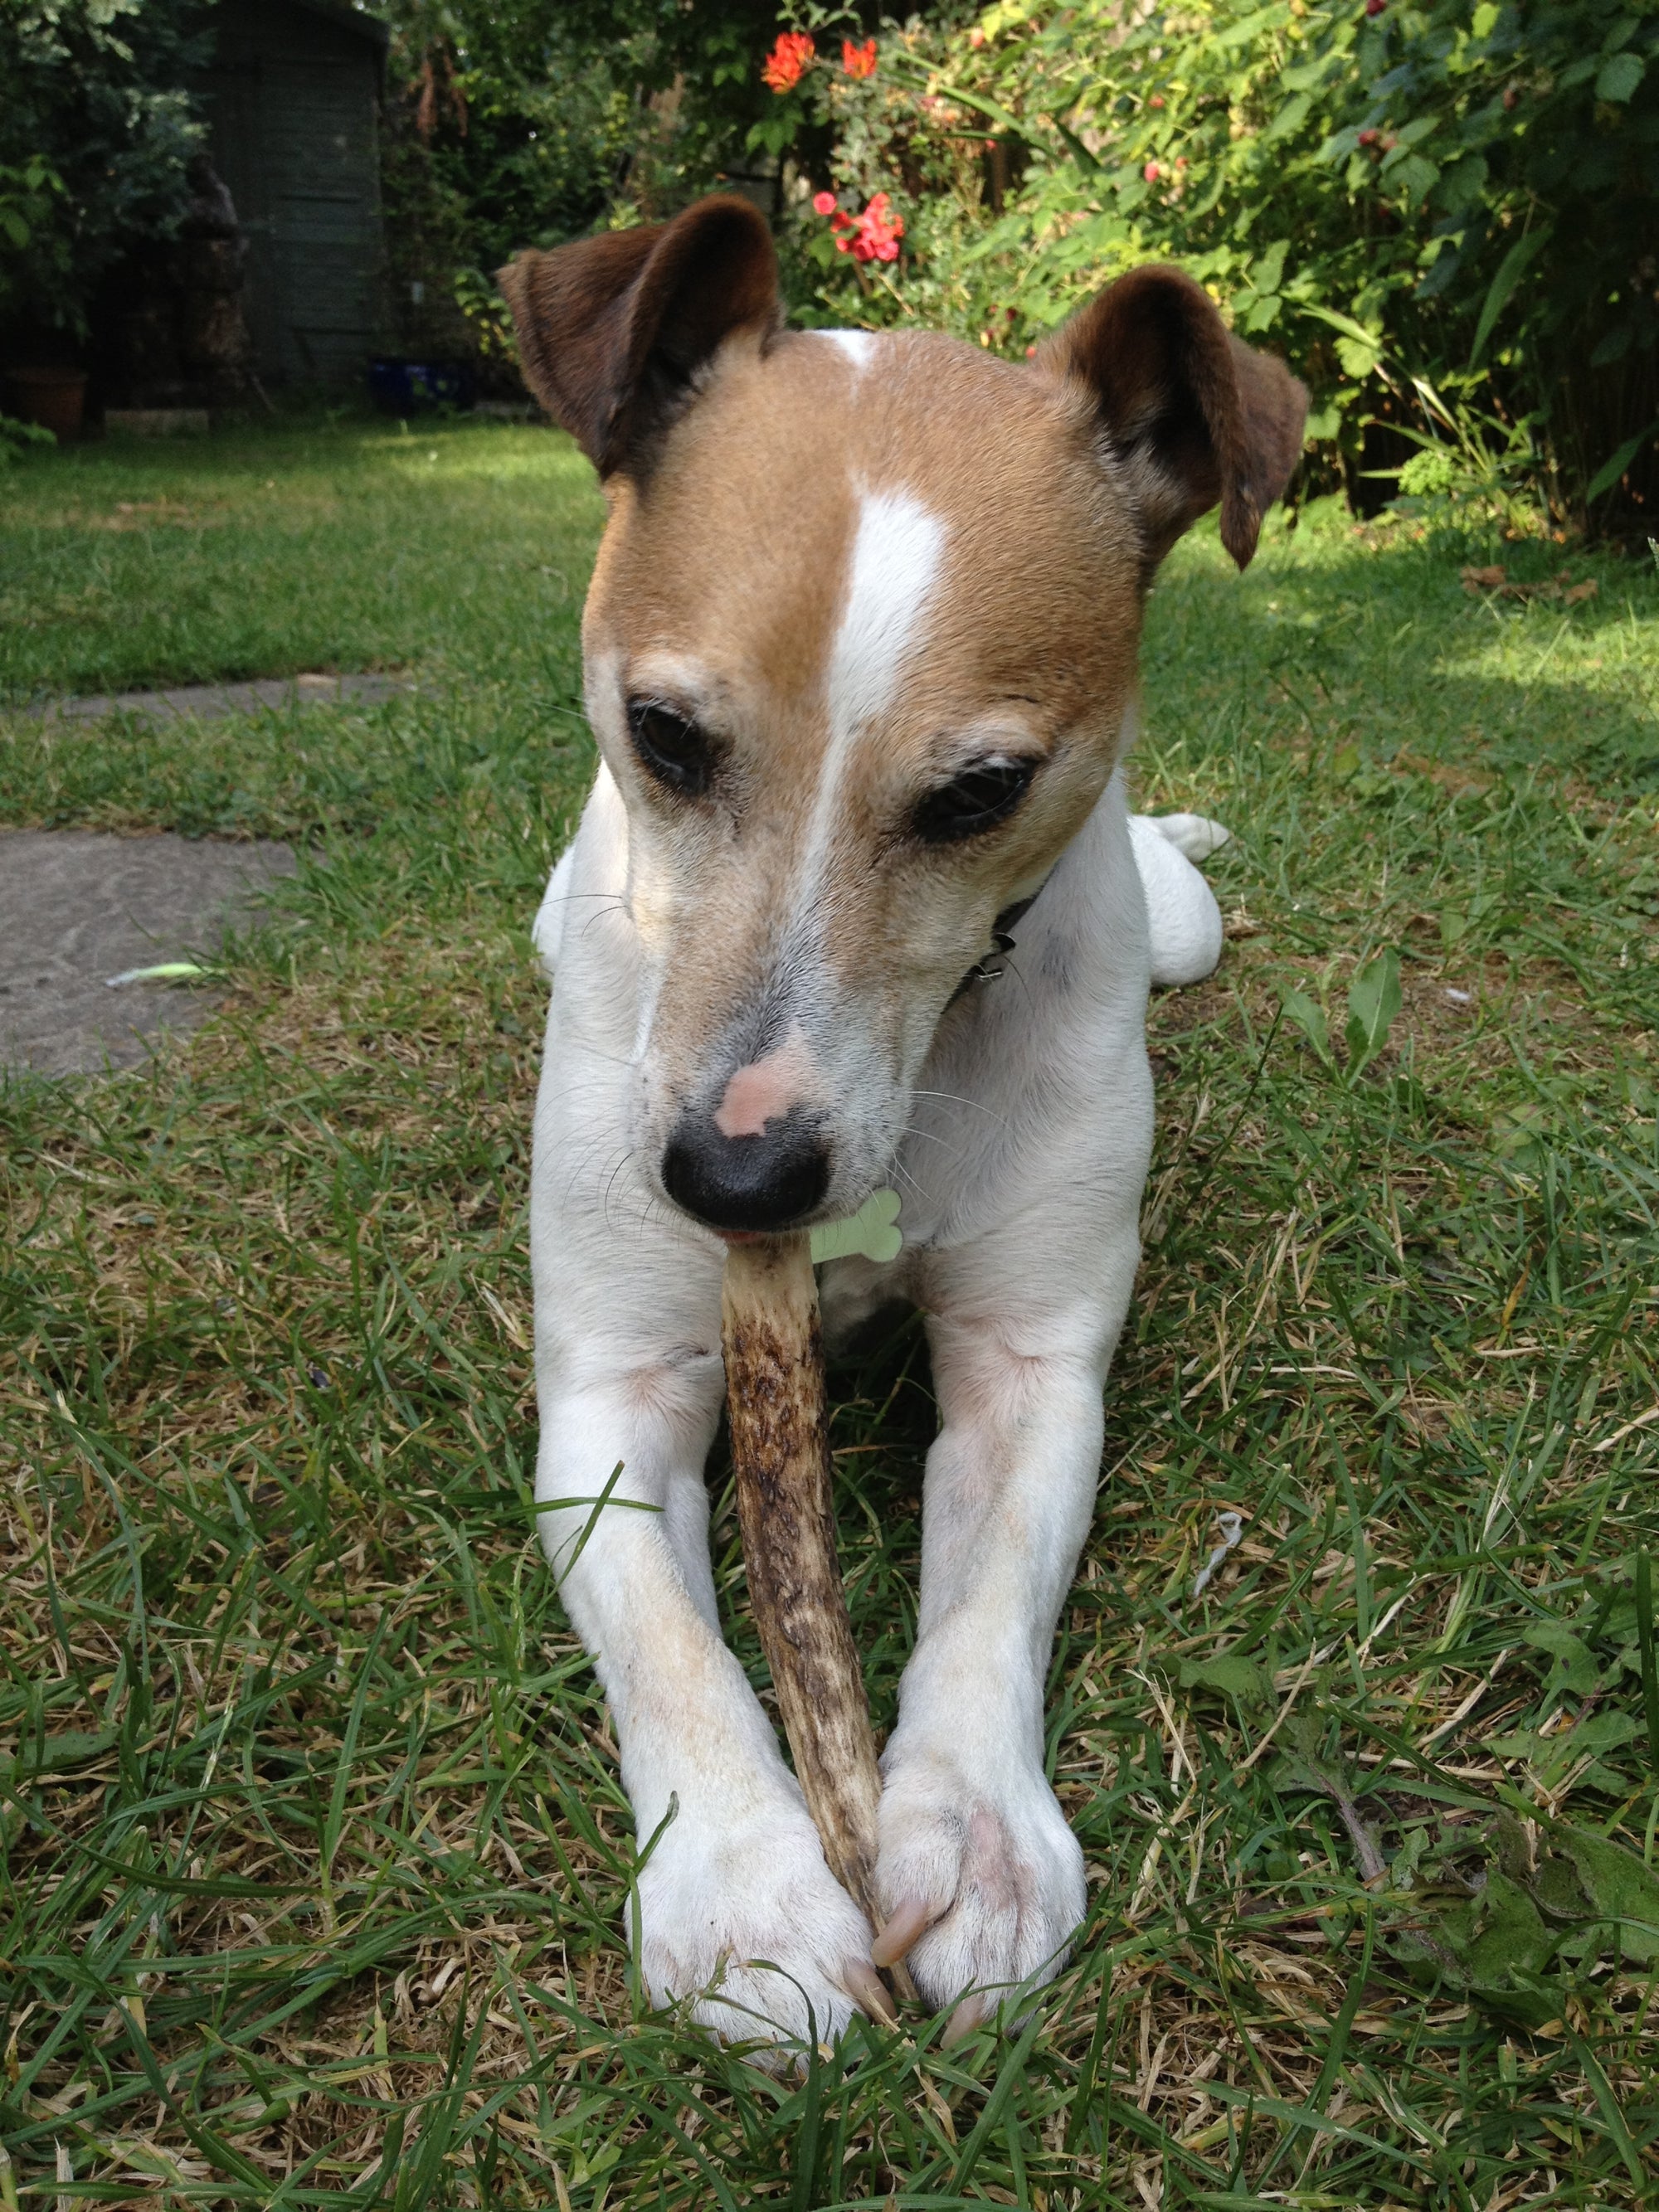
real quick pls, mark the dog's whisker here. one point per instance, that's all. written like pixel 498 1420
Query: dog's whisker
pixel 955 1098
pixel 932 1137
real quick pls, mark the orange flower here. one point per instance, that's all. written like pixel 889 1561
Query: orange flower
pixel 858 61
pixel 788 61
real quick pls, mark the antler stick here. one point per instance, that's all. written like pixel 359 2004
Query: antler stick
pixel 780 1450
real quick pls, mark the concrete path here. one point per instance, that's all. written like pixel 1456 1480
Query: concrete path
pixel 206 702
pixel 77 906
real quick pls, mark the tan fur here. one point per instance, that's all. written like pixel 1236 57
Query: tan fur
pixel 1034 631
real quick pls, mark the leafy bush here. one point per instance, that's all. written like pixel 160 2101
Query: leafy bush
pixel 16 438
pixel 1386 190
pixel 95 130
pixel 537 121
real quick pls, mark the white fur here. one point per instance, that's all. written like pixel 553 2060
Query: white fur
pixel 857 345
pixel 1185 920
pixel 892 573
pixel 1021 1177
pixel 1195 835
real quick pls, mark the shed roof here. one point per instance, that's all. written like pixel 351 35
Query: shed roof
pixel 345 18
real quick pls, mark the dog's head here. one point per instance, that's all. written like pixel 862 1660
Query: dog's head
pixel 860 646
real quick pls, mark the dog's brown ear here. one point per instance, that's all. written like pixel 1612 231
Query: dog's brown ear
pixel 1192 416
pixel 613 330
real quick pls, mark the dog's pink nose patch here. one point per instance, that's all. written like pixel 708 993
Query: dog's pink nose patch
pixel 765 1091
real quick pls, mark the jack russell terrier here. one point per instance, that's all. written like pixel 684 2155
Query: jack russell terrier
pixel 859 656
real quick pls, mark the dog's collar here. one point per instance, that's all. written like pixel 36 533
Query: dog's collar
pixel 988 969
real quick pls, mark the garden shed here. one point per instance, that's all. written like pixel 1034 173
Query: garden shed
pixel 292 99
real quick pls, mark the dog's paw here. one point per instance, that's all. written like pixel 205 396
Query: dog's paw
pixel 980 1881
pixel 747 1927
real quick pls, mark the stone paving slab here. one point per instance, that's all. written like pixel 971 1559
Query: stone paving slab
pixel 207 702
pixel 77 906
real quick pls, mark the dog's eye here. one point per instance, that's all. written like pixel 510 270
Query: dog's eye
pixel 977 799
pixel 675 750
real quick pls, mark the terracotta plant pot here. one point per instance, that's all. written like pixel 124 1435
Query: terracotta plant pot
pixel 56 399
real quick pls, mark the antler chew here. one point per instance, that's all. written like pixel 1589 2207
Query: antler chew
pixel 780 1450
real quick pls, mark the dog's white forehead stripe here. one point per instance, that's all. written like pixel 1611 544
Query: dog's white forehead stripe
pixel 891 576
pixel 857 345
pixel 890 580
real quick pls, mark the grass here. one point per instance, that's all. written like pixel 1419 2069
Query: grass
pixel 316 1858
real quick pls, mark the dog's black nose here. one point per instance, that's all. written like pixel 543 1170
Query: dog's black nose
pixel 761 1182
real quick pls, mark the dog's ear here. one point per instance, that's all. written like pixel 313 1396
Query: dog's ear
pixel 1192 416
pixel 613 330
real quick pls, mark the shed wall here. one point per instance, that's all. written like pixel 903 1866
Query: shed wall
pixel 293 105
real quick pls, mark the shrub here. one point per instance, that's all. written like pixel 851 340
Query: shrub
pixel 529 123
pixel 1385 191
pixel 95 130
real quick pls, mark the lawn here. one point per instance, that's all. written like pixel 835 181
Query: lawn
pixel 316 1859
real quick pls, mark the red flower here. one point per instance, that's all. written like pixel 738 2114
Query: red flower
pixel 824 203
pixel 875 234
pixel 788 61
pixel 858 61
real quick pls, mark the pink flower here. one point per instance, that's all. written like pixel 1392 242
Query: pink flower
pixel 858 61
pixel 824 203
pixel 788 61
pixel 1152 172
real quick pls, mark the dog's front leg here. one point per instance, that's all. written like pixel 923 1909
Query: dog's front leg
pixel 980 1875
pixel 735 1874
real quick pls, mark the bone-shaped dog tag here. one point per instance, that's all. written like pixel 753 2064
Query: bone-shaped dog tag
pixel 872 1233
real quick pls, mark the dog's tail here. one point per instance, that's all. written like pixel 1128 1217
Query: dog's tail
pixel 1180 908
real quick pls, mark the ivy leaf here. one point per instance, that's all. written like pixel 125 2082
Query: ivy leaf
pixel 1618 78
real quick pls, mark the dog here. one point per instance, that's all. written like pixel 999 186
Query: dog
pixel 856 901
